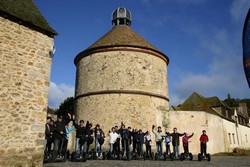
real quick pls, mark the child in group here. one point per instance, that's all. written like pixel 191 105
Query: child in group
pixel 203 140
pixel 148 143
pixel 159 139
pixel 185 139
pixel 176 142
pixel 168 141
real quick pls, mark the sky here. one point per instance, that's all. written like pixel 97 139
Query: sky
pixel 202 38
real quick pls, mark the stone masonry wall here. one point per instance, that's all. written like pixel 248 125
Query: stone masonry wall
pixel 121 70
pixel 137 111
pixel 25 77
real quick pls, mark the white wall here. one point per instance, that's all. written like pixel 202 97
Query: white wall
pixel 218 130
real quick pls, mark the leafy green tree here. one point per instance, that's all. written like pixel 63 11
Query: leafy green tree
pixel 232 102
pixel 67 106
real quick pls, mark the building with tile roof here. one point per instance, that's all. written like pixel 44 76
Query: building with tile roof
pixel 227 127
pixel 121 78
pixel 26 12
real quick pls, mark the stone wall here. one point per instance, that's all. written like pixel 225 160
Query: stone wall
pixel 122 70
pixel 25 77
pixel 125 72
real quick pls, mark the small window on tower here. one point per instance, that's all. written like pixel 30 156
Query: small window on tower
pixel 121 22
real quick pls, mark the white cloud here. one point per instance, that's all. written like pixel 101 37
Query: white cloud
pixel 222 51
pixel 58 93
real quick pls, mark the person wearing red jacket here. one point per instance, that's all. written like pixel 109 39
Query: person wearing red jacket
pixel 203 141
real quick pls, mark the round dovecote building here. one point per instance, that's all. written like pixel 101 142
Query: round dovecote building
pixel 122 78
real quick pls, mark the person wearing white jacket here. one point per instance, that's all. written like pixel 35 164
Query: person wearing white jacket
pixel 112 139
pixel 159 139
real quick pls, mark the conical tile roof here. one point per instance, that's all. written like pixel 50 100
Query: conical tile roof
pixel 120 36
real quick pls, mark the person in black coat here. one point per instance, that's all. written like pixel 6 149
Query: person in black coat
pixel 126 135
pixel 140 142
pixel 89 135
pixel 59 135
pixel 176 141
pixel 134 133
pixel 80 144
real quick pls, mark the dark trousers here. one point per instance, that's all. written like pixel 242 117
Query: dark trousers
pixel 65 145
pixel 168 149
pixel 87 149
pixel 117 146
pixel 134 145
pixel 140 149
pixel 186 151
pixel 50 140
pixel 126 146
pixel 148 151
pixel 203 149
pixel 123 146
pixel 58 147
pixel 159 147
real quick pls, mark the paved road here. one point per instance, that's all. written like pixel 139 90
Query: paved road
pixel 217 161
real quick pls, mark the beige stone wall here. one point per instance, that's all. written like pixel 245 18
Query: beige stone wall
pixel 216 127
pixel 25 77
pixel 137 111
pixel 122 70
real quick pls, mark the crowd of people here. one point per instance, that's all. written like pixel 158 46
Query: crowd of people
pixel 120 139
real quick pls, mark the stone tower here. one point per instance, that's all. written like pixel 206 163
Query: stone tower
pixel 26 43
pixel 121 77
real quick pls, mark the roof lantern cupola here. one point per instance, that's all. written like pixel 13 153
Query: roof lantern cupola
pixel 121 16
